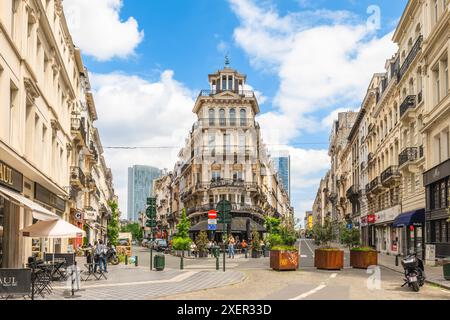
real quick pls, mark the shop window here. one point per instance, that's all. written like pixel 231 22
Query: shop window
pixel 437 227
pixel 443 191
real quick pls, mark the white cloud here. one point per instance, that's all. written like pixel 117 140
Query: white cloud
pixel 98 30
pixel 318 56
pixel 137 112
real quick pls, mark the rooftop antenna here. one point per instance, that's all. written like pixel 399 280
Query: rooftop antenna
pixel 227 61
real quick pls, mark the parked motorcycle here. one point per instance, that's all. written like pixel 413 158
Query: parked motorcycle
pixel 111 256
pixel 414 272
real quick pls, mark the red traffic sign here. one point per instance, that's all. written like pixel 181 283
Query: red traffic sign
pixel 212 214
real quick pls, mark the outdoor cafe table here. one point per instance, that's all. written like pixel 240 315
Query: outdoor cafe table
pixel 54 268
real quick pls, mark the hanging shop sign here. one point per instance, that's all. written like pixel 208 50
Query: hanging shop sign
pixel 11 178
pixel 49 198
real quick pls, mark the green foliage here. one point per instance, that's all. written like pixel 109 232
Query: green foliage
pixel 274 240
pixel 349 237
pixel 323 235
pixel 288 235
pixel 255 240
pixel 272 225
pixel 202 242
pixel 284 248
pixel 363 249
pixel 179 243
pixel 135 229
pixel 182 241
pixel 113 224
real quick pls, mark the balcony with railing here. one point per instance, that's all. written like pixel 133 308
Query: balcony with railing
pixel 353 192
pixel 409 104
pixel 225 122
pixel 374 186
pixel 77 128
pixel 370 157
pixel 77 177
pixel 410 58
pixel 408 156
pixel 241 93
pixel 390 175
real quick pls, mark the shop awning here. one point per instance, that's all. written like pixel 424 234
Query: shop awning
pixel 238 224
pixel 416 217
pixel 39 212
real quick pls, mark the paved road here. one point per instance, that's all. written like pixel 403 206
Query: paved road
pixel 261 283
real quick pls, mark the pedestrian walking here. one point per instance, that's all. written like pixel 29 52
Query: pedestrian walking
pixel 231 244
pixel 244 247
pixel 100 256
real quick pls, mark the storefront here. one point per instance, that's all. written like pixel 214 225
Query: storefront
pixel 410 232
pixel 437 186
pixel 17 211
pixel 387 237
pixel 76 218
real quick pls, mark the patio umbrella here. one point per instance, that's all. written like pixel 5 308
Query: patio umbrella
pixel 52 229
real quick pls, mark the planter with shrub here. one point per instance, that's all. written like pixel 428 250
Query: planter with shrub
pixel 281 240
pixel 360 257
pixel 326 257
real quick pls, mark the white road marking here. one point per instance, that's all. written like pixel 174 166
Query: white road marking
pixel 308 247
pixel 315 290
pixel 178 278
pixel 306 294
pixel 303 256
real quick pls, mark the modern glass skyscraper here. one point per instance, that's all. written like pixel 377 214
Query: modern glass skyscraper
pixel 140 186
pixel 282 165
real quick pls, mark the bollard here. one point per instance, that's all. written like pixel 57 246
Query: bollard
pixel 136 261
pixel 126 260
pixel 217 263
pixel 181 261
pixel 396 260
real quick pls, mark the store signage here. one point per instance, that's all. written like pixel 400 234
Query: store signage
pixel 212 227
pixel 371 218
pixel 43 195
pixel 212 221
pixel 10 177
pixel 387 215
pixel 90 215
pixel 436 174
pixel 15 282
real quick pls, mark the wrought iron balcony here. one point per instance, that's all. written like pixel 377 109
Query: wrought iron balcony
pixel 353 191
pixel 77 176
pixel 226 122
pixel 407 155
pixel 408 104
pixel 374 184
pixel 390 174
pixel 421 154
pixel 410 58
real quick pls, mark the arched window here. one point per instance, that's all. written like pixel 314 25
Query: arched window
pixel 232 117
pixel 222 117
pixel 212 115
pixel 243 116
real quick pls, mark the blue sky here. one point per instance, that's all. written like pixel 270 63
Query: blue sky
pixel 307 60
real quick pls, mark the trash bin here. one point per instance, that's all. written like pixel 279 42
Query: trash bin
pixel 446 269
pixel 159 262
pixel 216 252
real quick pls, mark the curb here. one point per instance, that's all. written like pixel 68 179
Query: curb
pixel 447 287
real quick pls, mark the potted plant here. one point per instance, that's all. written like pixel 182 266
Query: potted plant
pixel 326 257
pixel 283 254
pixel 202 245
pixel 360 257
pixel 255 245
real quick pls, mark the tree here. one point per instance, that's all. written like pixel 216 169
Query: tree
pixel 113 225
pixel 255 240
pixel 202 242
pixel 135 229
pixel 182 241
pixel 349 237
pixel 323 235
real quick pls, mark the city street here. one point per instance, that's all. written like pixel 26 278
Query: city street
pixel 244 279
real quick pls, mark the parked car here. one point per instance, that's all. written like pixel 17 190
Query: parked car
pixel 160 245
pixel 134 242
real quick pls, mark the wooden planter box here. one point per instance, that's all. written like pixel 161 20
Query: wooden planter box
pixel 363 259
pixel 329 259
pixel 284 260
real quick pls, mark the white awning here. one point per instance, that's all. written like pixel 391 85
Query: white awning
pixel 39 212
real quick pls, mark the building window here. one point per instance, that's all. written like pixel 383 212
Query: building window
pixel 437 83
pixel 224 83
pixel 436 11
pixel 232 117
pixel 446 85
pixel 243 116
pixel 222 117
pixel 212 115
pixel 443 190
pixel 230 83
pixel 237 176
pixel 216 175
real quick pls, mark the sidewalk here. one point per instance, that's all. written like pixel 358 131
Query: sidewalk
pixel 434 274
